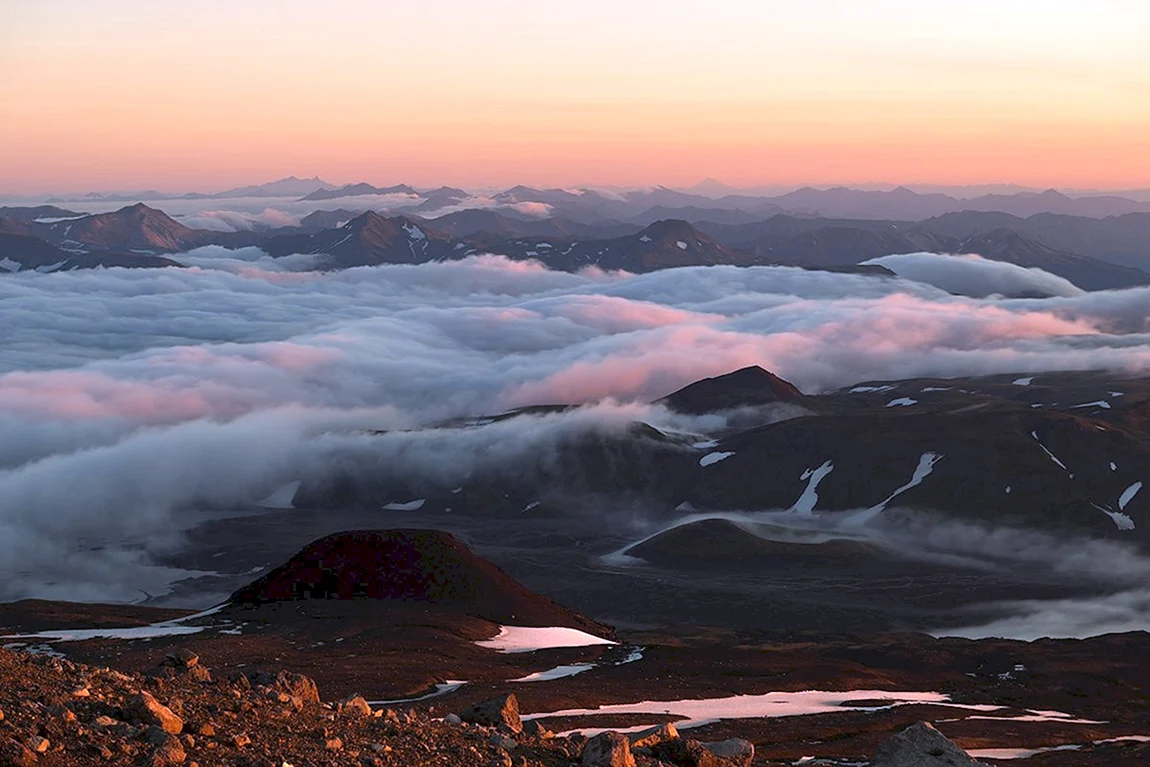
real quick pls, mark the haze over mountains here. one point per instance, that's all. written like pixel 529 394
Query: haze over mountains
pixel 1095 242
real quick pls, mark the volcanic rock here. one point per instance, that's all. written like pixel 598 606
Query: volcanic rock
pixel 150 711
pixel 688 753
pixel 653 736
pixel 608 749
pixel 921 745
pixel 737 751
pixel 501 711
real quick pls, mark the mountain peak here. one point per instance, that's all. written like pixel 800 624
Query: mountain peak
pixel 751 386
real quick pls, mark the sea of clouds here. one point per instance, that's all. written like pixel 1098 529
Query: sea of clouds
pixel 129 397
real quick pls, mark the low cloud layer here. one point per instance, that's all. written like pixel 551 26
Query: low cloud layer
pixel 973 275
pixel 129 396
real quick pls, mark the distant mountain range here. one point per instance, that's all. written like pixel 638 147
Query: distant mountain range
pixel 644 206
pixel 1095 254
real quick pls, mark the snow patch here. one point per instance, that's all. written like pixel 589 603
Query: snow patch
pixel 868 389
pixel 699 712
pixel 902 402
pixel 806 502
pixel 415 505
pixel 514 639
pixel 1128 495
pixel 926 463
pixel 681 245
pixel 283 498
pixel 1097 403
pixel 1048 453
pixel 559 672
pixel 711 458
pixel 1023 381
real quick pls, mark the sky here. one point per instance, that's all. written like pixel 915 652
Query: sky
pixel 203 95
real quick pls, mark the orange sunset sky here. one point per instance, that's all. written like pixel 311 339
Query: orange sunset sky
pixel 207 94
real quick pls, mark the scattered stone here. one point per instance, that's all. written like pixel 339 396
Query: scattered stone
pixel 333 744
pixel 206 729
pixel 921 745
pixel 499 740
pixel 354 706
pixel 37 744
pixel 150 711
pixel 184 657
pixel 533 729
pixel 608 749
pixel 453 719
pixel 241 739
pixel 81 692
pixel 16 754
pixel 495 712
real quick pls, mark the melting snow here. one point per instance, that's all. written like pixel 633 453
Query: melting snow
pixel 414 232
pixel 559 672
pixel 1128 495
pixel 409 506
pixel 926 463
pixel 706 445
pixel 696 713
pixel 936 388
pixel 1098 403
pixel 902 402
pixel 531 506
pixel 711 458
pixel 806 502
pixel 1016 753
pixel 1022 381
pixel 1120 520
pixel 1048 453
pixel 440 689
pixel 512 639
pixel 865 389
pixel 282 498
pixel 644 238
pixel 681 245
pixel 161 629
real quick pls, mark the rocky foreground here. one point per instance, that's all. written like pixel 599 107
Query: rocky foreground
pixel 56 712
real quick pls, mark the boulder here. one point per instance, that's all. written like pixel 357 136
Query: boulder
pixel 148 710
pixel 737 751
pixel 688 753
pixel 653 736
pixel 608 749
pixel 495 712
pixel 920 745
pixel 354 706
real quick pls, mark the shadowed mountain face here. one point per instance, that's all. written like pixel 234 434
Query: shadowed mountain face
pixel 406 567
pixel 136 227
pixel 19 252
pixel 368 239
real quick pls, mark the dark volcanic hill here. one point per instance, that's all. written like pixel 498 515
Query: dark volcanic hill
pixel 369 239
pixel 710 544
pixel 408 567
pixel 749 387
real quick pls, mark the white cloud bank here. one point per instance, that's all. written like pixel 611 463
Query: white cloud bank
pixel 128 396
